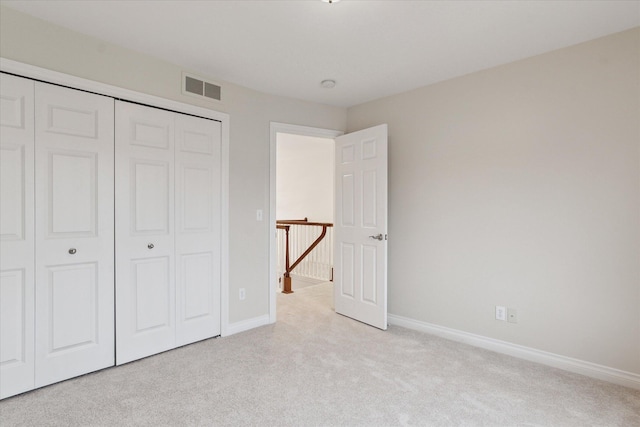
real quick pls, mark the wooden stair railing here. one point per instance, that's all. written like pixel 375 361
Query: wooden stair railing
pixel 286 225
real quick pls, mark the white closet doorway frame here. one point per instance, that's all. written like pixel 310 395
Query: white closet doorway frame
pixel 277 128
pixel 54 77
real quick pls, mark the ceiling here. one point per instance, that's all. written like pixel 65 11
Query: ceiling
pixel 370 48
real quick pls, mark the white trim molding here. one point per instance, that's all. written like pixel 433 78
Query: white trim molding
pixel 275 129
pixel 593 370
pixel 245 325
pixel 49 76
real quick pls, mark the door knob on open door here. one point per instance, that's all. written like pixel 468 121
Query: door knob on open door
pixel 378 237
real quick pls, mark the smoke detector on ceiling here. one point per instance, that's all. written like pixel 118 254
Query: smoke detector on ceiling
pixel 328 84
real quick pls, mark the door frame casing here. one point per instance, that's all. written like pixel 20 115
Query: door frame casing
pixel 276 128
pixel 55 77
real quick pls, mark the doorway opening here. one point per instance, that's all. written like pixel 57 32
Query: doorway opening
pixel 304 210
pixel 302 199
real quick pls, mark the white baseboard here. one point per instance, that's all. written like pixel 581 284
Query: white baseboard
pixel 245 325
pixel 593 370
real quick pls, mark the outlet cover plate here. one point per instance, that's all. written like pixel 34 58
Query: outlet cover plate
pixel 501 312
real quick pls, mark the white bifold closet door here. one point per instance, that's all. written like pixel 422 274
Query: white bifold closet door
pixel 198 218
pixel 17 284
pixel 56 198
pixel 167 230
pixel 73 233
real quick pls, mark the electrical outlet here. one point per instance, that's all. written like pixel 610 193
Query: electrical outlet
pixel 259 215
pixel 501 312
pixel 512 315
pixel 241 294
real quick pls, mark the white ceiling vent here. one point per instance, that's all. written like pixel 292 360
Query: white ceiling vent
pixel 197 86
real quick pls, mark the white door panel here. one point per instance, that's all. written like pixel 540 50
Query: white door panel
pixel 17 261
pixel 73 205
pixel 149 189
pixel 198 219
pixel 150 283
pixel 168 277
pixel 74 233
pixel 72 292
pixel 12 187
pixel 145 285
pixel 361 216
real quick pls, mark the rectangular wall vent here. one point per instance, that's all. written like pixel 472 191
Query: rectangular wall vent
pixel 197 86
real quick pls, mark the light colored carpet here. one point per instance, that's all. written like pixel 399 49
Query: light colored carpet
pixel 299 282
pixel 316 368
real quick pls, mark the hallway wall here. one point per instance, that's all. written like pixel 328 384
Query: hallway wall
pixel 304 178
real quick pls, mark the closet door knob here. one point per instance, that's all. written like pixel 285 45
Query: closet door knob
pixel 72 251
pixel 150 246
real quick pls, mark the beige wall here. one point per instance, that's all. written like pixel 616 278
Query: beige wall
pixel 35 42
pixel 520 186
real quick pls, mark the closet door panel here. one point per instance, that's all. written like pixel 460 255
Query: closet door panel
pixel 197 228
pixel 150 281
pixel 72 201
pixel 149 187
pixel 17 262
pixel 72 292
pixel 145 258
pixel 74 233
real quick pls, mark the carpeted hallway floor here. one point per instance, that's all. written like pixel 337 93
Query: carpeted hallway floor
pixel 316 368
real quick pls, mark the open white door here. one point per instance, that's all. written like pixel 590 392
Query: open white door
pixel 360 226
